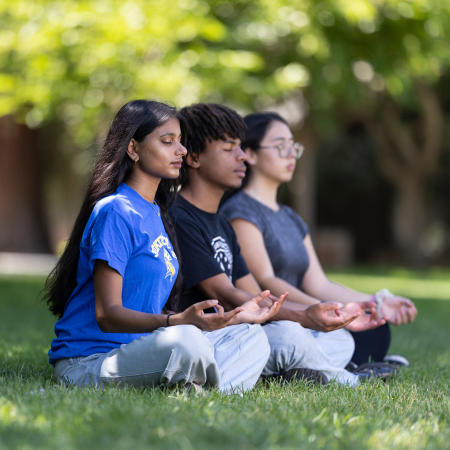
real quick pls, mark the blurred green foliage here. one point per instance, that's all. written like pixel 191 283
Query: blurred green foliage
pixel 79 60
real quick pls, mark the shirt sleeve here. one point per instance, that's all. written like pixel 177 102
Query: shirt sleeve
pixel 236 209
pixel 304 229
pixel 111 240
pixel 197 261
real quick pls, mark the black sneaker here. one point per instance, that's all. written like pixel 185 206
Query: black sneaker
pixel 351 366
pixel 308 375
pixel 396 360
pixel 375 370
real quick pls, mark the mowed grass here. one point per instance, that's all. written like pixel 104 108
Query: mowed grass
pixel 410 412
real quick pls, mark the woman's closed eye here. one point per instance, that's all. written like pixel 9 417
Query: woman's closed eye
pixel 178 139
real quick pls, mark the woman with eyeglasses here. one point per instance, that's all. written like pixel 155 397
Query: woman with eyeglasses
pixel 279 252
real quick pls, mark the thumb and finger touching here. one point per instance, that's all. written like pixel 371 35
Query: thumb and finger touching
pixel 261 296
pixel 330 306
pixel 342 321
pixel 230 314
pixel 205 304
pixel 367 305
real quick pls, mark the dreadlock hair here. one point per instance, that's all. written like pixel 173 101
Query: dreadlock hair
pixel 209 122
pixel 135 120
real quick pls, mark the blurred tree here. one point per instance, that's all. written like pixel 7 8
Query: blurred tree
pixel 376 61
pixel 74 63
pixel 408 154
pixel 77 61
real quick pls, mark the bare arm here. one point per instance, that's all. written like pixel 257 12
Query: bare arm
pixel 255 254
pixel 315 317
pixel 298 308
pixel 396 310
pixel 113 317
pixel 257 308
pixel 221 288
pixel 317 284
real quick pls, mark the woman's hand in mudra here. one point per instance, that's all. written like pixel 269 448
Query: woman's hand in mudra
pixel 398 310
pixel 367 320
pixel 195 315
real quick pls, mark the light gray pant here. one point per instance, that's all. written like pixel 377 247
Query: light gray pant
pixel 231 358
pixel 338 345
pixel 292 346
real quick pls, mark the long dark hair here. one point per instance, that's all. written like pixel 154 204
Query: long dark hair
pixel 135 120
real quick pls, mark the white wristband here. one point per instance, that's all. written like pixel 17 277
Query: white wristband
pixel 379 297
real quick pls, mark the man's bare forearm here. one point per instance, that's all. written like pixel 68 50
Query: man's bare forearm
pixel 288 314
pixel 232 298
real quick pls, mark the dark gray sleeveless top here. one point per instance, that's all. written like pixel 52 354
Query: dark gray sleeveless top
pixel 283 232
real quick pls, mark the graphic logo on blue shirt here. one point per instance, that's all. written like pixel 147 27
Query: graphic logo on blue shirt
pixel 170 269
pixel 159 243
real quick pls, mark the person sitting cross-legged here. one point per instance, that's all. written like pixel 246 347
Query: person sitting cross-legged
pixel 120 265
pixel 212 266
pixel 278 248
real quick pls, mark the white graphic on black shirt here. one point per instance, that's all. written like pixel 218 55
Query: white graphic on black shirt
pixel 223 255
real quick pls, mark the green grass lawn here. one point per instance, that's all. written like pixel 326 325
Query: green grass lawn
pixel 411 412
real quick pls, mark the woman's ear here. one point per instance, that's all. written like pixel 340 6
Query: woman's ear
pixel 251 156
pixel 132 151
pixel 192 160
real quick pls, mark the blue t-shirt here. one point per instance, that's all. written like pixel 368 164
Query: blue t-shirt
pixel 125 230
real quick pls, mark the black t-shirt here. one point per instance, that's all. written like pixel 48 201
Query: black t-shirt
pixel 208 247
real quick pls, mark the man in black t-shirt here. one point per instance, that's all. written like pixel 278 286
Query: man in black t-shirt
pixel 211 263
pixel 208 246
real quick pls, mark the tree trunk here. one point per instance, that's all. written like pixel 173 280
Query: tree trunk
pixel 407 154
pixel 22 219
pixel 303 184
pixel 409 220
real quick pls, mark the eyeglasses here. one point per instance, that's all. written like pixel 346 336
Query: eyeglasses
pixel 285 149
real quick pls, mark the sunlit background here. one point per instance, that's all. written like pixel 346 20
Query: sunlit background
pixel 364 84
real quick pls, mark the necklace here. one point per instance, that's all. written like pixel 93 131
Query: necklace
pixel 257 197
pixel 254 194
pixel 154 209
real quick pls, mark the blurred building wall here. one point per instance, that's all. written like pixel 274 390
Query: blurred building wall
pixel 23 227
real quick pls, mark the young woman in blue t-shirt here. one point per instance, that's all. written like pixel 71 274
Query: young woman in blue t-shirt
pixel 120 266
pixel 278 250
